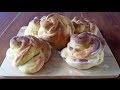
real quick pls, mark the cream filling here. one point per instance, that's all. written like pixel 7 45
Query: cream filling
pixel 94 62
pixel 90 60
pixel 71 59
pixel 68 57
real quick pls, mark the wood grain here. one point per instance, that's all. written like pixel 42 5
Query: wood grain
pixel 5 20
pixel 108 23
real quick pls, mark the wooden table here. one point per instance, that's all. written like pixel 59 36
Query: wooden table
pixel 108 23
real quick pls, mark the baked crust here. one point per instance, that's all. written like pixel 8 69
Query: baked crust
pixel 84 47
pixel 82 24
pixel 56 29
pixel 30 53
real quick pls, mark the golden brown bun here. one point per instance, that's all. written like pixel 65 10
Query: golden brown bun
pixel 30 53
pixel 33 27
pixel 84 50
pixel 82 24
pixel 56 29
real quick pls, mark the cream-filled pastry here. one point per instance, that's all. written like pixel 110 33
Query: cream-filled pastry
pixel 84 51
pixel 56 29
pixel 33 27
pixel 82 24
pixel 28 53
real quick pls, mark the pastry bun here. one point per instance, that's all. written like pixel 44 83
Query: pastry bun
pixel 84 51
pixel 56 29
pixel 82 24
pixel 28 53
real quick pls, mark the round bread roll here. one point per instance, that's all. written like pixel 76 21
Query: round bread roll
pixel 33 27
pixel 82 24
pixel 28 53
pixel 56 29
pixel 84 51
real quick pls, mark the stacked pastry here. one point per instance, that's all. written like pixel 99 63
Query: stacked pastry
pixel 84 51
pixel 77 39
pixel 28 53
